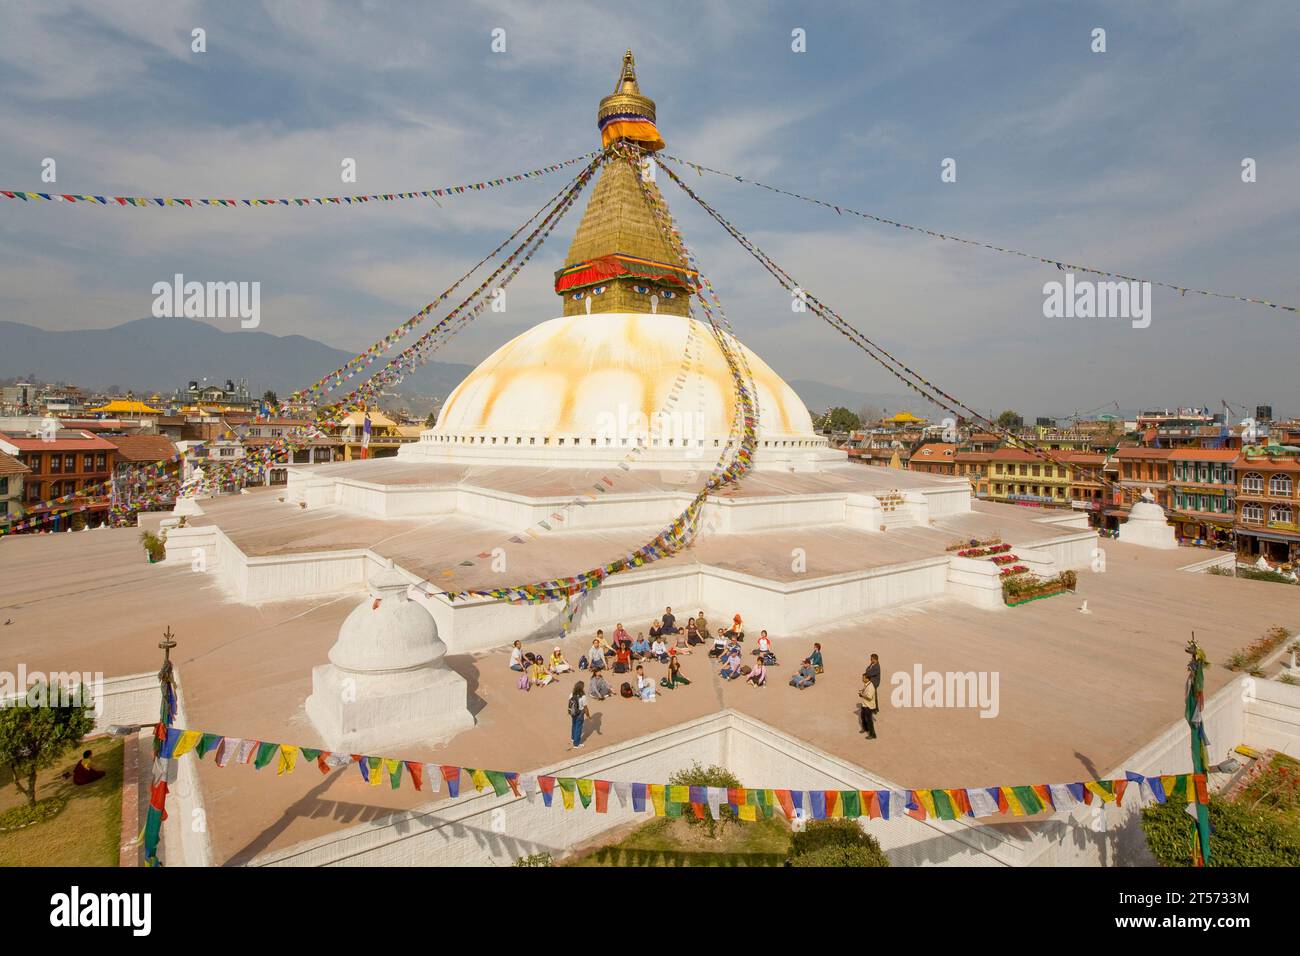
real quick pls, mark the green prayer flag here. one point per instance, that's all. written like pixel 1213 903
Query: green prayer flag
pixel 264 754
pixel 1028 799
pixel 207 742
pixel 852 801
pixel 498 780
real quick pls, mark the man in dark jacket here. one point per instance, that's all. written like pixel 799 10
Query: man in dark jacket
pixel 873 675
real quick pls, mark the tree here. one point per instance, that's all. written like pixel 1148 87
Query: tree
pixel 840 419
pixel 39 728
pixel 431 420
pixel 1010 421
pixel 700 776
pixel 270 397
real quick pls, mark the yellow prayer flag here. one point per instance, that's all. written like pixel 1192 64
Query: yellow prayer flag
pixel 481 780
pixel 927 801
pixel 1013 802
pixel 748 812
pixel 657 798
pixel 288 758
pixel 189 739
pixel 567 796
pixel 679 794
pixel 1099 790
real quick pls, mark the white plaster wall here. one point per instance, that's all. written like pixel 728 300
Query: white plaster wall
pixel 1272 716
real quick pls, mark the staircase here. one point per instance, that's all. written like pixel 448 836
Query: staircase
pixel 895 512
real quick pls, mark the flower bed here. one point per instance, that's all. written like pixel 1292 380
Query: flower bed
pixel 984 552
pixel 1020 587
pixel 973 543
pixel 1002 559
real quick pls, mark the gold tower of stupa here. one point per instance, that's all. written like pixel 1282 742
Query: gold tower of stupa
pixel 620 260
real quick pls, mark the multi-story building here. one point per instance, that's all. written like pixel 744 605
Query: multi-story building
pixel 70 463
pixel 12 472
pixel 146 473
pixel 309 446
pixel 1202 495
pixel 1137 469
pixel 934 458
pixel 974 465
pixel 1268 503
pixel 1022 477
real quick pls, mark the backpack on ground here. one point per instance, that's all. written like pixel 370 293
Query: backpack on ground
pixel 524 682
pixel 626 690
pixel 582 662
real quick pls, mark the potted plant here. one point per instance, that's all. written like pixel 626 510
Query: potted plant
pixel 153 546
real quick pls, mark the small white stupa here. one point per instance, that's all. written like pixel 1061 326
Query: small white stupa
pixel 386 683
pixel 1147 526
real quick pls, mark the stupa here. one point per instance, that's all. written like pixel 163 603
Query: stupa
pixel 527 474
pixel 581 389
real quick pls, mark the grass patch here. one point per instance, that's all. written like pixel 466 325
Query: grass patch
pixel 667 842
pixel 76 826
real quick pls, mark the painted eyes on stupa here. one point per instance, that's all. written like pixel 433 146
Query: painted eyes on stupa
pixel 641 289
pixel 577 296
pixel 668 293
pixel 599 290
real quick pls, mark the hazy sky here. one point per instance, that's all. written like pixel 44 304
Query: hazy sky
pixel 1128 160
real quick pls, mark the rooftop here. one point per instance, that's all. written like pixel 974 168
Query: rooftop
pixel 246 671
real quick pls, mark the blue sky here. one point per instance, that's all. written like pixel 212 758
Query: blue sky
pixel 1128 160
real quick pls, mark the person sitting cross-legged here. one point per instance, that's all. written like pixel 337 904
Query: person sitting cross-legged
pixel 731 669
pixel 538 673
pixel 599 688
pixel 669 621
pixel 758 676
pixel 764 645
pixel 622 659
pixel 659 651
pixel 558 664
pixel 645 687
pixel 641 647
pixel 83 773
pixel 806 676
pixel 674 674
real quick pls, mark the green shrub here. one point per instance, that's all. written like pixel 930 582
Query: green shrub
pixel 535 859
pixel 153 546
pixel 1239 836
pixel 700 776
pixel 842 856
pixel 835 843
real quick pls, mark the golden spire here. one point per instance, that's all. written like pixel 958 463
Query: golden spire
pixel 620 260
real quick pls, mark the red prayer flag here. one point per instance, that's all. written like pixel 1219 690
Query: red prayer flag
pixel 416 771
pixel 602 796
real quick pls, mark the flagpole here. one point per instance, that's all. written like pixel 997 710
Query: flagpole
pixel 1193 711
pixel 157 811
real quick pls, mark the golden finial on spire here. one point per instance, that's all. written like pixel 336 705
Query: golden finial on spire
pixel 627 79
pixel 626 113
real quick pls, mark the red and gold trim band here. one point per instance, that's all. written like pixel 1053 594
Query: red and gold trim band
pixel 594 271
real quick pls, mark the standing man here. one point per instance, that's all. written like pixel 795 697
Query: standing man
pixel 867 708
pixel 873 674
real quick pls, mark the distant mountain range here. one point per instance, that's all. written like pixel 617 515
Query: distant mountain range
pixel 161 354
pixel 158 355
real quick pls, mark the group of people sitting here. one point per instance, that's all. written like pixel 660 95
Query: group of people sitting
pixel 626 653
